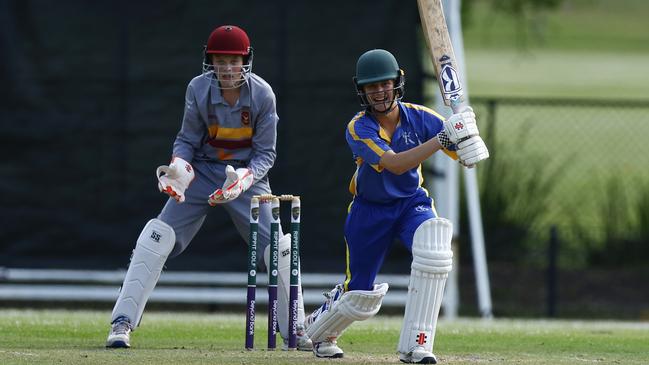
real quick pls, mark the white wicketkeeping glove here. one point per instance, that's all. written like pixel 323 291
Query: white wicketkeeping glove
pixel 236 182
pixel 472 151
pixel 458 127
pixel 174 179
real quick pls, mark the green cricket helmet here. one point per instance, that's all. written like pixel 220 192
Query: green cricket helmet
pixel 374 66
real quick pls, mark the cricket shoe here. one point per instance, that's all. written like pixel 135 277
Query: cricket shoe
pixel 120 333
pixel 328 349
pixel 303 341
pixel 418 355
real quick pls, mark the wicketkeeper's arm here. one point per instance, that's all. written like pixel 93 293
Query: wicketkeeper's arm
pixel 264 139
pixel 192 132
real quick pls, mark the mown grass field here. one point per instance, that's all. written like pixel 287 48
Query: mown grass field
pixel 598 74
pixel 583 49
pixel 77 337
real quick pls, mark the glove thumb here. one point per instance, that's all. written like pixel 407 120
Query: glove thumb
pixel 231 173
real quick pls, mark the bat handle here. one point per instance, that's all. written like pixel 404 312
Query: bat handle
pixel 458 105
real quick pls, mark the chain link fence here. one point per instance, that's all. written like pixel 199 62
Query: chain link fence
pixel 580 165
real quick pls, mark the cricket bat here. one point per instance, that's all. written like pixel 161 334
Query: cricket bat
pixel 439 44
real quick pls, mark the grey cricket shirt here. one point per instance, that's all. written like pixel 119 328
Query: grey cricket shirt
pixel 243 135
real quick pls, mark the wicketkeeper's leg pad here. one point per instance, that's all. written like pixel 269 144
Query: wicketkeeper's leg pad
pixel 331 320
pixel 149 256
pixel 284 285
pixel 432 260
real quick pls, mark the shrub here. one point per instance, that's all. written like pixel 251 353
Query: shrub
pixel 625 217
pixel 514 184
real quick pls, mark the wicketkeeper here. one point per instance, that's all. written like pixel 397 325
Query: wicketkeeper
pixel 221 156
pixel 389 140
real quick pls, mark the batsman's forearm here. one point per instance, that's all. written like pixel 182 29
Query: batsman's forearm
pixel 398 163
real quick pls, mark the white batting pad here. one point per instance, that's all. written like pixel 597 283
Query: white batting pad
pixel 284 285
pixel 432 260
pixel 330 321
pixel 153 246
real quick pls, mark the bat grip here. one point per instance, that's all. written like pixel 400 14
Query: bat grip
pixel 458 105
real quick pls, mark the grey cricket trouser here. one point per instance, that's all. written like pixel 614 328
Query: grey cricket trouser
pixel 188 217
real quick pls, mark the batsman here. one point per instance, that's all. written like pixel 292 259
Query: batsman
pixel 389 140
pixel 221 156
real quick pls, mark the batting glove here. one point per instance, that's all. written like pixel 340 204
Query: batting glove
pixel 458 127
pixel 472 151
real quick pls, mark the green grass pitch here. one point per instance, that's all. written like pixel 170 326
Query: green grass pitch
pixel 77 337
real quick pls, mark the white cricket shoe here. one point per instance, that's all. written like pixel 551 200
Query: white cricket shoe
pixel 303 341
pixel 418 356
pixel 327 349
pixel 120 333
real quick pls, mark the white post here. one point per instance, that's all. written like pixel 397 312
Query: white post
pixel 477 242
pixel 446 194
pixel 451 299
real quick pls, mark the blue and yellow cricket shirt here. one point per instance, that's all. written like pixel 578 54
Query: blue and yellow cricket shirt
pixel 369 141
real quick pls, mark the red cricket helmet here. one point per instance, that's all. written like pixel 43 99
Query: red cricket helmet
pixel 231 40
pixel 228 39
